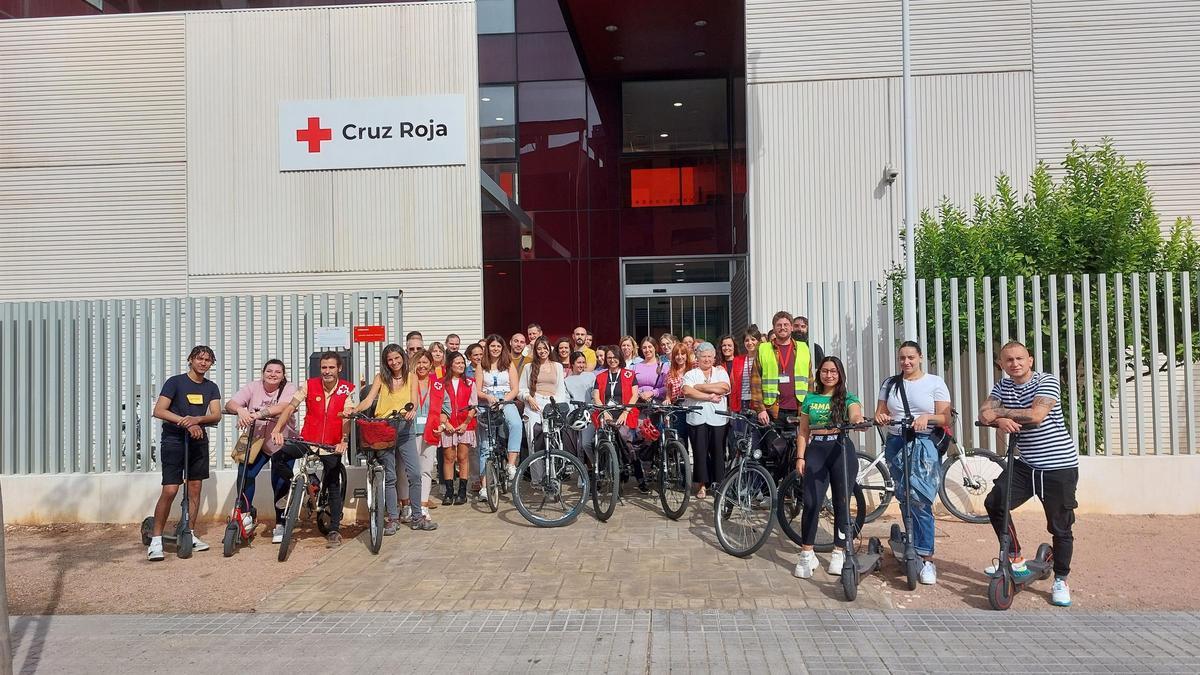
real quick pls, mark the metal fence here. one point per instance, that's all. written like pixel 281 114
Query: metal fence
pixel 1123 346
pixel 78 380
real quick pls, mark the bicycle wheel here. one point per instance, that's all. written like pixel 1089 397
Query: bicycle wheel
pixel 674 479
pixel 291 514
pixel 789 504
pixel 966 480
pixel 542 493
pixel 876 483
pixel 606 481
pixel 493 484
pixel 376 509
pixel 742 525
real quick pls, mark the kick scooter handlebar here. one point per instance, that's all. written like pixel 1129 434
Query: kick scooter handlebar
pixel 1024 427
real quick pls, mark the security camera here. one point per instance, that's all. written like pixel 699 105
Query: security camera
pixel 889 174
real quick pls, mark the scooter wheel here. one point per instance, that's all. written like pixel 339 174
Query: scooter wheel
pixel 912 569
pixel 183 545
pixel 231 539
pixel 1000 592
pixel 147 530
pixel 850 583
pixel 1045 554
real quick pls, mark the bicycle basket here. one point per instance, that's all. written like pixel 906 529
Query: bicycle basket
pixel 648 431
pixel 376 434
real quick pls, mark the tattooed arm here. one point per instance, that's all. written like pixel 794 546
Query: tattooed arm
pixel 991 412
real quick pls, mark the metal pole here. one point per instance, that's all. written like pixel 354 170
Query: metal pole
pixel 910 182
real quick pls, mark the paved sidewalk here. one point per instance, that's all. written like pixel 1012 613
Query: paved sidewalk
pixel 618 641
pixel 639 559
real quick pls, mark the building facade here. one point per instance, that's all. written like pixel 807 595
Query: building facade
pixel 670 166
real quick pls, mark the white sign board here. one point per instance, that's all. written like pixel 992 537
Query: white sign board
pixel 329 337
pixel 372 132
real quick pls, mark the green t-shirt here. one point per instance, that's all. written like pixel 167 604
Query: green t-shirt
pixel 816 406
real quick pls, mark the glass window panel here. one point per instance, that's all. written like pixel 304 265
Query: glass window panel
pixel 674 181
pixel 539 16
pixel 497 58
pixel 494 16
pixel 547 56
pixel 674 115
pixel 683 271
pixel 497 122
pixel 505 175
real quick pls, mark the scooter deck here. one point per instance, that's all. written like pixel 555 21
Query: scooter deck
pixel 1041 571
pixel 867 563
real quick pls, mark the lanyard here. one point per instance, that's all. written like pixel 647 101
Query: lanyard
pixel 613 382
pixel 422 399
pixel 785 364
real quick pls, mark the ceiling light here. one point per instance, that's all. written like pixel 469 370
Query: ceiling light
pixel 485 98
pixel 610 28
pixel 700 23
pixel 663 135
pixel 618 57
pixel 700 53
pixel 499 119
pixel 678 104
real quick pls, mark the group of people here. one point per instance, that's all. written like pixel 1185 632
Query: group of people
pixel 434 393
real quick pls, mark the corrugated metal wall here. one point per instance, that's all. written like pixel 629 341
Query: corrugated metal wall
pixel 1128 70
pixel 92 174
pixel 790 40
pixel 377 219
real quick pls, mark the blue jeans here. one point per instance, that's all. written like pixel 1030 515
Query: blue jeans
pixel 281 478
pixel 512 422
pixel 922 508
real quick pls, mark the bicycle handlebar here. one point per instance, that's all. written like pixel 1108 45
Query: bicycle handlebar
pixel 313 446
pixel 751 418
pixel 1026 426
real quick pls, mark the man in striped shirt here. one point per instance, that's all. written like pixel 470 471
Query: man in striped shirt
pixel 1048 463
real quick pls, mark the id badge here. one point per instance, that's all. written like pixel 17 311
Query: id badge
pixel 784 379
pixel 421 419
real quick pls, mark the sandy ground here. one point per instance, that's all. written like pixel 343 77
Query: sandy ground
pixel 102 569
pixel 1120 563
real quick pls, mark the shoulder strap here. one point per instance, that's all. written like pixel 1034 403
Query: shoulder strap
pixel 898 382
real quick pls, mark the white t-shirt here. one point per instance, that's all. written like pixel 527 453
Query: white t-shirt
pixel 922 394
pixel 707 415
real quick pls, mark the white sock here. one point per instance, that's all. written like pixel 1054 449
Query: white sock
pixel 156 540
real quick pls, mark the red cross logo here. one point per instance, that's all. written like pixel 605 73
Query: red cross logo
pixel 314 134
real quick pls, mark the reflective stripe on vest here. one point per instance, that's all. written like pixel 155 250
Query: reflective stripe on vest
pixel 770 371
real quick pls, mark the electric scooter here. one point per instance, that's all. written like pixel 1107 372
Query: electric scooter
pixel 901 541
pixel 1003 585
pixel 855 565
pixel 182 536
pixel 240 528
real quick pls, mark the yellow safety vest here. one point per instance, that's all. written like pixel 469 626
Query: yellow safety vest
pixel 801 364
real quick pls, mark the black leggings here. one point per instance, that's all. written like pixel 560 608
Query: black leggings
pixel 825 463
pixel 708 453
pixel 1056 488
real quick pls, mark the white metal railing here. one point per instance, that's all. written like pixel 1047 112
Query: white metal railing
pixel 1123 346
pixel 79 379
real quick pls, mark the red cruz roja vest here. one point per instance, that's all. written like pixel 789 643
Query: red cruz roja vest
pixel 321 421
pixel 627 386
pixel 433 422
pixel 735 383
pixel 460 403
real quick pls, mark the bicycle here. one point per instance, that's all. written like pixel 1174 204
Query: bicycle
pixel 673 465
pixel 741 496
pixel 612 464
pixel 308 489
pixel 495 459
pixel 543 492
pixel 376 480
pixel 967 476
pixel 790 507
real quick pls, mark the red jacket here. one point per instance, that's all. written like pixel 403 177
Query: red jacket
pixel 321 421
pixel 735 383
pixel 460 403
pixel 433 423
pixel 627 386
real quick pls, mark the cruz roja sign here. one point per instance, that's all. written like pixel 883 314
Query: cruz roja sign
pixel 372 132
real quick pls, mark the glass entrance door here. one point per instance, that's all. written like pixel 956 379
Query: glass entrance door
pixel 704 317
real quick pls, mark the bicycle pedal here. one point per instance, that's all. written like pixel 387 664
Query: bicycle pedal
pixel 360 493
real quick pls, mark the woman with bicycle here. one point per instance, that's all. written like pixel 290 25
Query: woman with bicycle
pixel 915 399
pixel 459 399
pixel 541 380
pixel 615 385
pixel 682 359
pixel 422 388
pixel 650 373
pixel 391 394
pixel 496 381
pixel 821 459
pixel 706 386
pixel 581 385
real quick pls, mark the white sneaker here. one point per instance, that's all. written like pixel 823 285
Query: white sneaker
pixel 277 535
pixel 805 566
pixel 155 552
pixel 1060 593
pixel 198 545
pixel 928 574
pixel 511 471
pixel 836 561
pixel 483 494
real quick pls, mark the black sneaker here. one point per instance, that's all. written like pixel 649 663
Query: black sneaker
pixel 643 488
pixel 448 498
